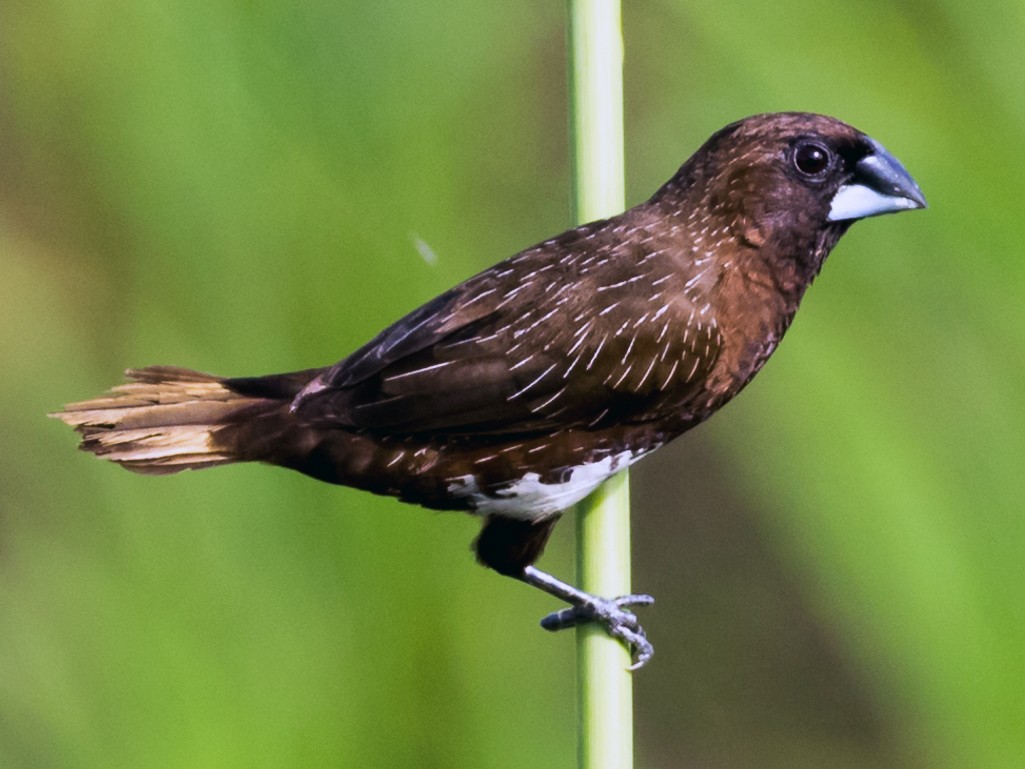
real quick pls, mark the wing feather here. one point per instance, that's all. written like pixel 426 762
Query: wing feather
pixel 591 348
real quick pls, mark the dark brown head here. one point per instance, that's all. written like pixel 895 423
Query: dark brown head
pixel 792 182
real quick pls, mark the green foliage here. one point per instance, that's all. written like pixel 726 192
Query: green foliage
pixel 239 187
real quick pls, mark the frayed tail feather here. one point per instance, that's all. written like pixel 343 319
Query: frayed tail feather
pixel 163 421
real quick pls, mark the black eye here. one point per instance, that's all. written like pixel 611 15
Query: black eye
pixel 811 158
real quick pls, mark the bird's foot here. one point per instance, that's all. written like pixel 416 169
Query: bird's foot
pixel 612 615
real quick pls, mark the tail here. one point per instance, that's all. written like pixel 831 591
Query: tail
pixel 170 419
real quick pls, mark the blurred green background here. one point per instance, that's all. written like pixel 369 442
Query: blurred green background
pixel 247 187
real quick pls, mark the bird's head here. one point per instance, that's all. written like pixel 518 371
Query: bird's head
pixel 792 182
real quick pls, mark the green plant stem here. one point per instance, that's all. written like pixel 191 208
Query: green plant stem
pixel 604 686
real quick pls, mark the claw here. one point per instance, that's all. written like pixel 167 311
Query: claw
pixel 611 613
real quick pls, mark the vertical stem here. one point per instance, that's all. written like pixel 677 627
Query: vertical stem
pixel 596 110
pixel 604 687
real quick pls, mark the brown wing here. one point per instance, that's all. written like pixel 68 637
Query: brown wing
pixel 589 347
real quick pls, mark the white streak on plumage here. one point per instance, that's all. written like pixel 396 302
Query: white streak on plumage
pixel 672 373
pixel 597 350
pixel 537 379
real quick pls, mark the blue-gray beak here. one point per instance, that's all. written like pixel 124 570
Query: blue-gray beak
pixel 880 185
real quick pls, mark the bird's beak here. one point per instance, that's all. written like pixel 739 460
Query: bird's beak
pixel 879 185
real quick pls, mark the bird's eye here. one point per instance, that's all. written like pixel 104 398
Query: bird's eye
pixel 811 158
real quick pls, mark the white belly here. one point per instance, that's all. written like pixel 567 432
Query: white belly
pixel 529 499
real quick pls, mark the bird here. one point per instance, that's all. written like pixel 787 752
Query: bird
pixel 516 393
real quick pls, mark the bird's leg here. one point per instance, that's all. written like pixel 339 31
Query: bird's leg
pixel 610 613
